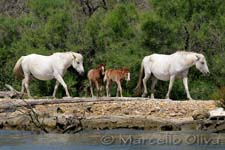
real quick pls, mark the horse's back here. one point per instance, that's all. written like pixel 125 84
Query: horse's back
pixel 36 60
pixel 157 59
pixel 39 66
pixel 113 74
pixel 158 65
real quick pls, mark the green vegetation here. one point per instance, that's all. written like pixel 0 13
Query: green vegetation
pixel 118 34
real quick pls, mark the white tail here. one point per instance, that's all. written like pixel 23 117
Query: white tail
pixel 18 69
pixel 138 88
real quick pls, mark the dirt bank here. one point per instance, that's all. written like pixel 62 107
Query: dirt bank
pixel 72 115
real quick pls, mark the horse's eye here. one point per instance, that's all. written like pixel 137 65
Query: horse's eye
pixel 78 62
pixel 202 63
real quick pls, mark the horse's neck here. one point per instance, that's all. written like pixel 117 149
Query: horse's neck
pixel 183 61
pixel 123 74
pixel 190 59
pixel 68 59
pixel 99 70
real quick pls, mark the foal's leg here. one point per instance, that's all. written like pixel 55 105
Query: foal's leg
pixel 61 81
pixel 185 82
pixel 117 91
pixel 91 88
pixel 120 88
pixel 172 78
pixel 154 81
pixel 55 88
pixel 97 87
pixel 107 88
pixel 145 79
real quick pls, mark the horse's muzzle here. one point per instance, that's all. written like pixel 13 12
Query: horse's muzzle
pixel 81 73
pixel 206 73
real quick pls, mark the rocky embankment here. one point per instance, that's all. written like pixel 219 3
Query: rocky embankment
pixel 73 115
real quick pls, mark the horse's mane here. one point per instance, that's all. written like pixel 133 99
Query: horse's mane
pixel 184 52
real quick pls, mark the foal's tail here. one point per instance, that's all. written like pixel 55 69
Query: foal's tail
pixel 18 68
pixel 138 89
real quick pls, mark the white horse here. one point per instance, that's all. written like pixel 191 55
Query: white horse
pixel 169 67
pixel 47 68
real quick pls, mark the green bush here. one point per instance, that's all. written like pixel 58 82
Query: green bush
pixel 119 36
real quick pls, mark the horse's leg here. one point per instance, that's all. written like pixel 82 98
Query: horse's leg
pixel 172 78
pixel 117 91
pixel 91 88
pixel 23 86
pixel 61 81
pixel 101 89
pixel 55 88
pixel 97 87
pixel 107 88
pixel 154 81
pixel 26 83
pixel 120 88
pixel 145 79
pixel 185 82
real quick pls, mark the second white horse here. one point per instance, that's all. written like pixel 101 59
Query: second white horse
pixel 169 67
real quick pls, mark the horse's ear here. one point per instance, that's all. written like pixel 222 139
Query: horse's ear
pixel 198 57
pixel 74 56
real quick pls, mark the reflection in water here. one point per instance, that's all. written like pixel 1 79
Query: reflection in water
pixel 111 139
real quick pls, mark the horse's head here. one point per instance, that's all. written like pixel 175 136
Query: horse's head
pixel 126 73
pixel 101 67
pixel 201 64
pixel 77 62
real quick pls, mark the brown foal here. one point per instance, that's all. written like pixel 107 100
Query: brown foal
pixel 116 76
pixel 95 76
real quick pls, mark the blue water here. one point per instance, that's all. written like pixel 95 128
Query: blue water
pixel 121 139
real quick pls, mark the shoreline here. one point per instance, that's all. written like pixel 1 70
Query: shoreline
pixel 75 114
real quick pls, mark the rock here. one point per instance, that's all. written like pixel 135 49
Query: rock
pixel 126 112
pixel 49 122
pixel 59 110
pixel 200 114
pixel 172 114
pixel 218 113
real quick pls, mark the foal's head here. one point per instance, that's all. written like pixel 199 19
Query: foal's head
pixel 101 67
pixel 126 73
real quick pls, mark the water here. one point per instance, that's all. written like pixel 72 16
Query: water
pixel 125 139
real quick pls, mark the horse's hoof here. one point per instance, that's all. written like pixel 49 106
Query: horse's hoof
pixel 168 99
pixel 143 95
pixel 190 99
pixel 67 97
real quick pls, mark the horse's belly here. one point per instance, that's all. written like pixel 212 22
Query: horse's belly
pixel 162 77
pixel 45 77
pixel 42 74
pixel 41 71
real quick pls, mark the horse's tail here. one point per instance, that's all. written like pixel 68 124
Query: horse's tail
pixel 18 68
pixel 138 89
